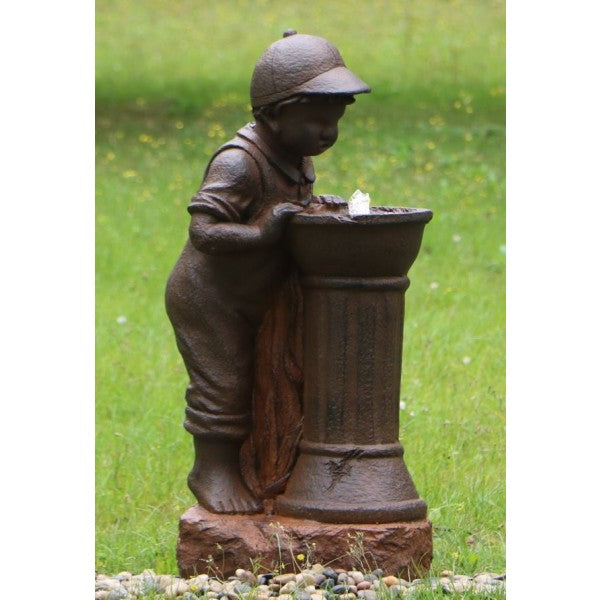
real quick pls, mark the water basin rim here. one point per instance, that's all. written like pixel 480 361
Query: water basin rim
pixel 389 215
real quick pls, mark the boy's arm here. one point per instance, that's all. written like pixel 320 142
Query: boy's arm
pixel 219 210
pixel 211 236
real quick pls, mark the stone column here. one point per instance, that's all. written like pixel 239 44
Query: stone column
pixel 354 276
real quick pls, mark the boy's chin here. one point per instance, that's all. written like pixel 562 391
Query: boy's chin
pixel 320 149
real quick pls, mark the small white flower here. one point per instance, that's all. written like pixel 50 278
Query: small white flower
pixel 502 249
pixel 434 285
pixel 402 405
pixel 466 360
pixel 411 413
pixel 121 319
pixel 456 238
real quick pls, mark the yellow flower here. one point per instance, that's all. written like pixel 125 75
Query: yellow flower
pixel 129 173
pixel 300 556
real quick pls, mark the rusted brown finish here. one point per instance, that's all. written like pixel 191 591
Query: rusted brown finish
pixel 232 297
pixel 224 543
pixel 302 64
pixel 289 313
pixel 351 467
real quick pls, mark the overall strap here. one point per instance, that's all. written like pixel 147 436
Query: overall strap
pixel 250 149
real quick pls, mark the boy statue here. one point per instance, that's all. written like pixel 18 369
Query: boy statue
pixel 232 297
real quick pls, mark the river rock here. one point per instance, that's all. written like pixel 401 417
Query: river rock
pixel 284 578
pixel 305 579
pixel 178 588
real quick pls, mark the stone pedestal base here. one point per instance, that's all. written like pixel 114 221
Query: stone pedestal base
pixel 221 544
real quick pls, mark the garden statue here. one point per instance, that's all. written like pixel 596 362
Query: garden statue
pixel 272 283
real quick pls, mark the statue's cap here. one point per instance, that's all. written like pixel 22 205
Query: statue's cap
pixel 301 64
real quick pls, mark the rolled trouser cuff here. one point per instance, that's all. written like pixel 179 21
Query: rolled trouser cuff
pixel 218 427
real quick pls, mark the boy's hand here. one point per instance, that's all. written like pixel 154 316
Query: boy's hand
pixel 272 228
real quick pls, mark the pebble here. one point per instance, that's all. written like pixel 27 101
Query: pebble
pixel 284 578
pixel 200 582
pixel 357 576
pixel 288 588
pixel 164 581
pixel 176 589
pixel 305 579
pixel 330 574
pixel 247 577
pixel 344 589
pixel 107 585
pixel 315 583
pixel 327 583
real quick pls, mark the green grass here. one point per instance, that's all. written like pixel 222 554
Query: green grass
pixel 172 84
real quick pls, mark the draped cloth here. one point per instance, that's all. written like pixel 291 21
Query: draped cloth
pixel 268 455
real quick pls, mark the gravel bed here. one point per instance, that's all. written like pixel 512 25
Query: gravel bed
pixel 315 583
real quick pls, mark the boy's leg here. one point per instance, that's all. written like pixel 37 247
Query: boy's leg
pixel 215 479
pixel 218 416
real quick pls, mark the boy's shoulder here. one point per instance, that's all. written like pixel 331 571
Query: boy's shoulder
pixel 234 160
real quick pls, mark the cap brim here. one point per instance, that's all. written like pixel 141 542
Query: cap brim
pixel 338 80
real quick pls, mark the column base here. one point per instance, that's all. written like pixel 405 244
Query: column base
pixel 220 544
pixel 351 484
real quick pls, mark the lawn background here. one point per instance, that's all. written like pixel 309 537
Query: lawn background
pixel 171 83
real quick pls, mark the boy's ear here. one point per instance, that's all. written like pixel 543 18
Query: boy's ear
pixel 271 119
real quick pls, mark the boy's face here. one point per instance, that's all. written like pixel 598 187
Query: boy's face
pixel 308 129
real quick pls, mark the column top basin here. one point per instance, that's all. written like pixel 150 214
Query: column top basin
pixel 331 243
